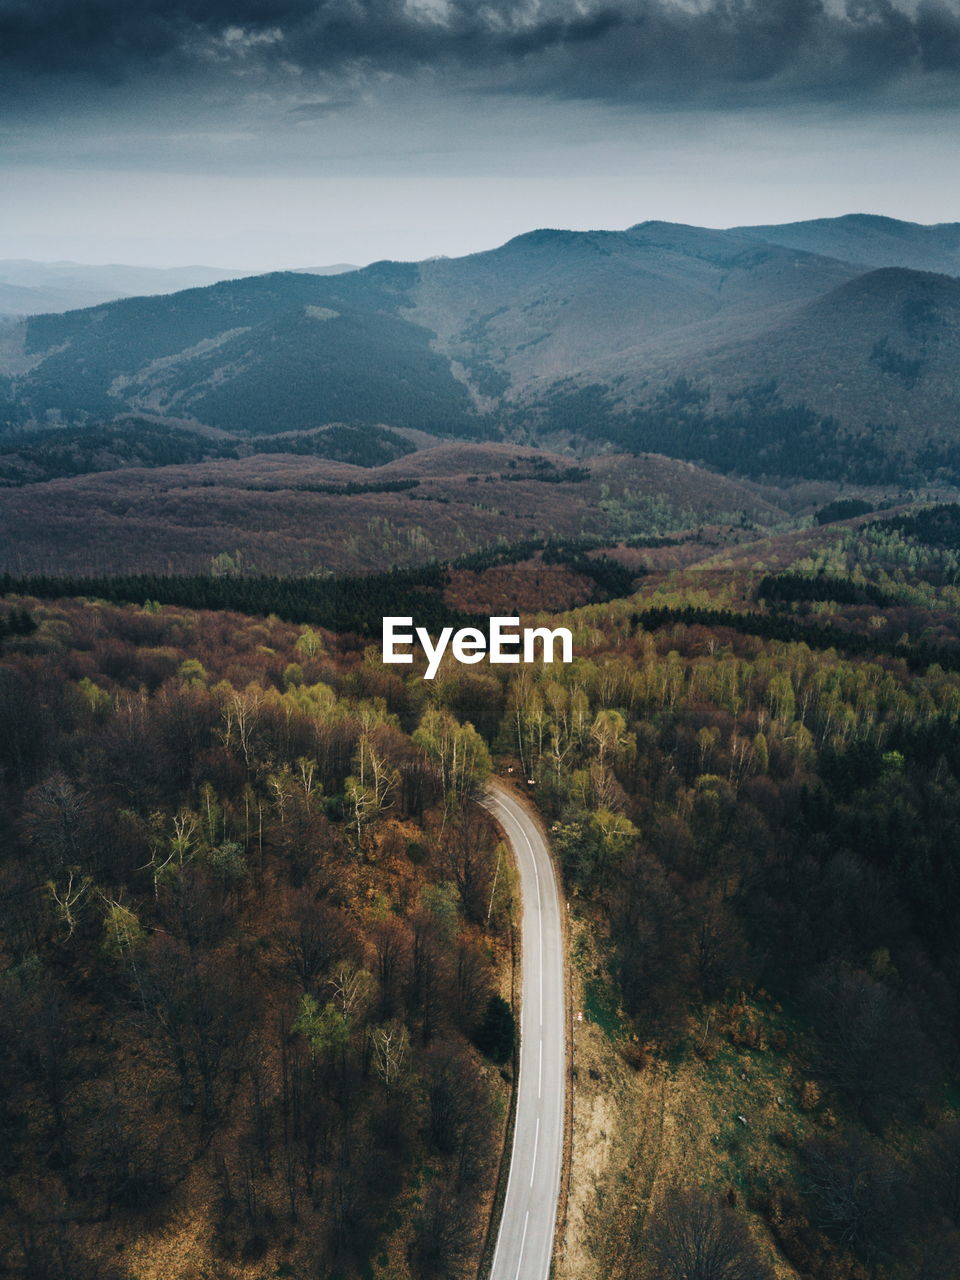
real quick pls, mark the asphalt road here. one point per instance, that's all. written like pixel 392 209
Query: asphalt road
pixel 525 1239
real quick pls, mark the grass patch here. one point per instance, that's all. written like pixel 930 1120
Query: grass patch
pixel 951 1096
pixel 601 1002
pixel 600 1005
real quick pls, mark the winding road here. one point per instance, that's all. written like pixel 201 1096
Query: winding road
pixel 525 1239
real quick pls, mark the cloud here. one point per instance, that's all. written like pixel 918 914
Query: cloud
pixel 705 52
pixel 320 109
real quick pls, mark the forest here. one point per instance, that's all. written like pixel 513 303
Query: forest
pixel 349 603
pixel 763 833
pixel 754 433
pixel 34 456
pixel 259 934
pixel 251 941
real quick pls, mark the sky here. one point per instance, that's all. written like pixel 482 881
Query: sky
pixel 259 134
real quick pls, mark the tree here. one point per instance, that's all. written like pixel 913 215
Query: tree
pixel 169 854
pixel 942 1171
pixel 241 712
pixel 860 1192
pixel 870 1045
pixel 327 1030
pixel 445 1235
pixel 27 727
pixel 68 897
pixel 695 1237
pixel 466 856
pixel 312 937
pixel 457 751
pixel 310 644
pixel 54 822
pixel 202 1014
pixel 496 1033
pixel 391 1047
pixel 123 935
pixel 652 943
pixel 45 1033
pixel 719 951
pixel 125 1161
pixel 617 833
pixel 608 733
pixel 370 790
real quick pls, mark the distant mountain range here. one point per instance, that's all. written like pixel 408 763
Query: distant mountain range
pixel 33 288
pixel 824 349
pixel 870 241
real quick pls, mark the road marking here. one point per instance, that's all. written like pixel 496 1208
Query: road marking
pixel 518 823
pixel 536 1143
pixel 516 1134
pixel 523 1240
pixel 539 927
pixel 540 1075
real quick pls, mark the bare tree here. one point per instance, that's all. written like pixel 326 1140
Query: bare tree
pixel 445 1235
pixel 459 1096
pixel 467 859
pixel 200 1012
pixel 871 1047
pixel 942 1169
pixel 68 896
pixel 391 1045
pixel 241 711
pixel 313 937
pixel 719 952
pixel 54 822
pixel 861 1193
pixel 696 1237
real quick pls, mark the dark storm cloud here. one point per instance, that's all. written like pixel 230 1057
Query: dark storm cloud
pixel 721 51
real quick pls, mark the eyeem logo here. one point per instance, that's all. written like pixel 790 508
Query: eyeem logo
pixel 504 642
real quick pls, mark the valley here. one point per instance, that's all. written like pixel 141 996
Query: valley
pixel 265 953
pixel 609 385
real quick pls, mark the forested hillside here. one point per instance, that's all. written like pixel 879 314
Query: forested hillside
pixel 344 499
pixel 255 928
pixel 871 241
pixel 36 456
pixel 250 938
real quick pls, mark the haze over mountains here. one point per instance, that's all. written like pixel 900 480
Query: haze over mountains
pixel 824 349
pixel 32 288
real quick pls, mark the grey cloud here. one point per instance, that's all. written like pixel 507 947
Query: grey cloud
pixel 320 110
pixel 726 52
pixel 739 52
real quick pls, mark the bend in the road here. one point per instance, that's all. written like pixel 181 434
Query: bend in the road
pixel 525 1238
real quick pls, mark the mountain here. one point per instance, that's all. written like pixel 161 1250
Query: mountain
pixel 868 240
pixel 769 359
pixel 554 304
pixel 33 288
pixel 860 384
pixel 335 269
pixel 24 300
pixel 265 354
pixel 883 348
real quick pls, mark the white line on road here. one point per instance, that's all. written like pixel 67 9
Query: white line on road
pixel 536 1144
pixel 523 1241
